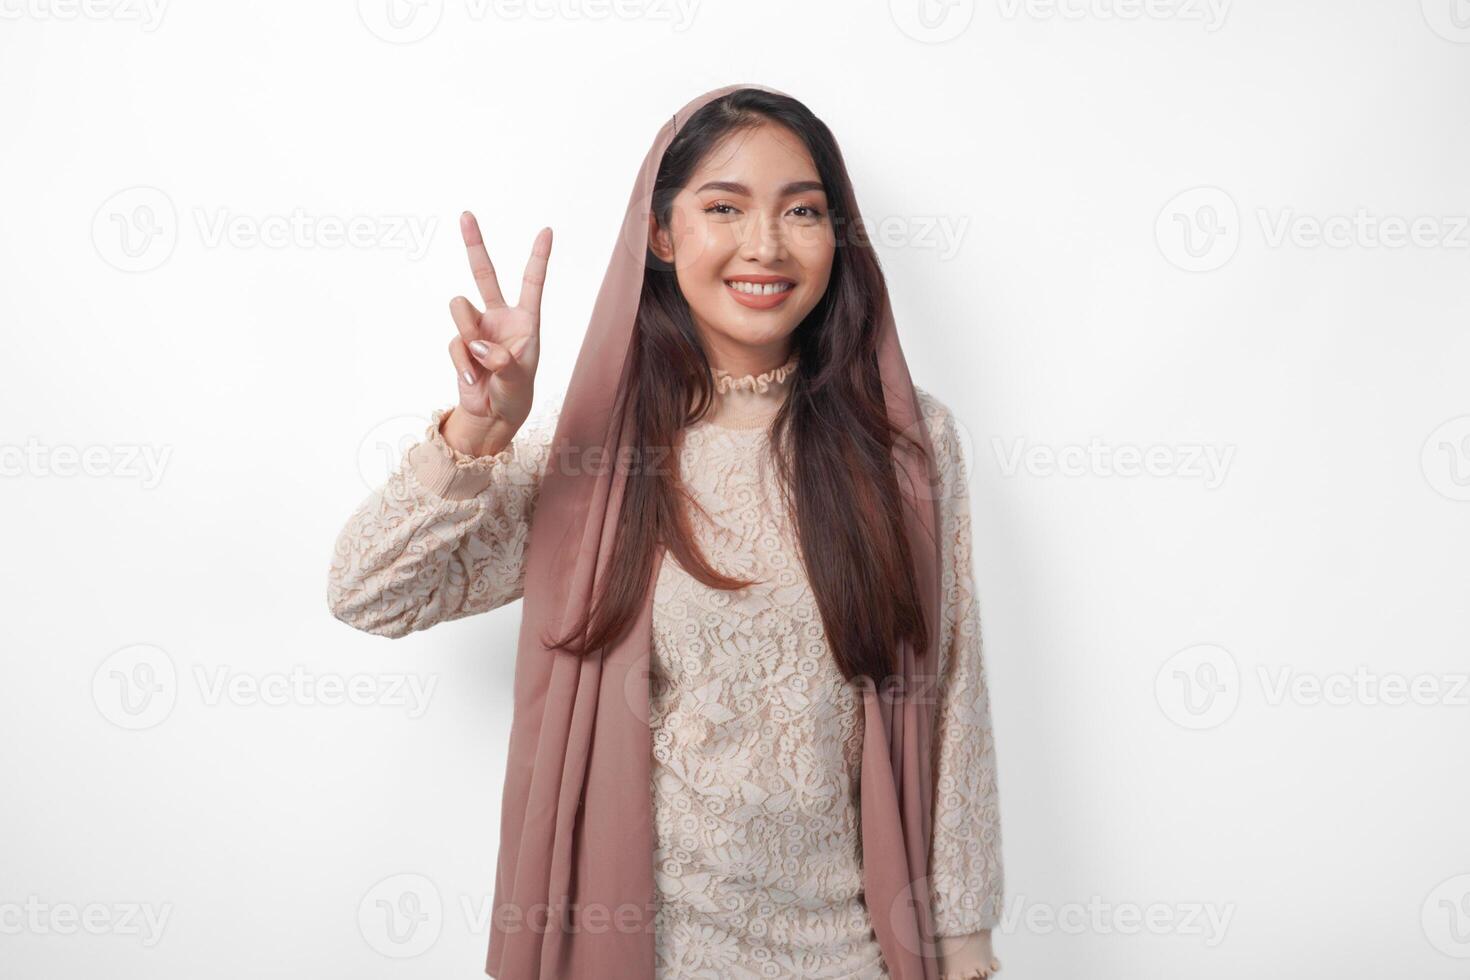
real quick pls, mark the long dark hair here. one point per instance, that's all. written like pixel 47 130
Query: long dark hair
pixel 840 480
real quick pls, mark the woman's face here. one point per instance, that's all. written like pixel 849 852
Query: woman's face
pixel 754 211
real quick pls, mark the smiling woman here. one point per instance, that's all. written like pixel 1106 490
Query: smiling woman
pixel 752 720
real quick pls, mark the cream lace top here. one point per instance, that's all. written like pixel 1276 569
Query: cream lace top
pixel 757 739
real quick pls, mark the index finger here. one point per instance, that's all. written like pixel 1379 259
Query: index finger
pixel 480 264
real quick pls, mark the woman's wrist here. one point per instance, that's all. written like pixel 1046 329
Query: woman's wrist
pixel 967 957
pixel 476 435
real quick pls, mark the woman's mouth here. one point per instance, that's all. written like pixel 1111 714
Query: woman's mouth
pixel 760 293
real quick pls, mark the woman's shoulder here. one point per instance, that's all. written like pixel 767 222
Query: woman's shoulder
pixel 930 404
pixel 938 418
pixel 949 437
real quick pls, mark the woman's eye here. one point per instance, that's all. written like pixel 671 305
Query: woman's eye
pixel 801 210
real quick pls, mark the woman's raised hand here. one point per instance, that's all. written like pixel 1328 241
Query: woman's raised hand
pixel 495 352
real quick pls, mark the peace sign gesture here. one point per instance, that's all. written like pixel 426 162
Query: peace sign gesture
pixel 495 352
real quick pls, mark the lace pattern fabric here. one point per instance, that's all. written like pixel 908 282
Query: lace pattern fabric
pixel 757 746
pixel 756 737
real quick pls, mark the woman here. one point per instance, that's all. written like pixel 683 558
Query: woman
pixel 711 774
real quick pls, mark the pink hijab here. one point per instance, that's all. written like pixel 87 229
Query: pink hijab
pixel 575 893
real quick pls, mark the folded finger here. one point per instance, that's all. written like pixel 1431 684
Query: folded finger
pixel 466 318
pixel 463 364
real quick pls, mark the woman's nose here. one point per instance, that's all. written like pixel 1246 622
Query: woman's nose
pixel 765 240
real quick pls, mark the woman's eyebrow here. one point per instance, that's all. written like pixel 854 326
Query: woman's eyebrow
pixel 734 187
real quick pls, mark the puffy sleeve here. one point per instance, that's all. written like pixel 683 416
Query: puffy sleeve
pixel 444 537
pixel 966 875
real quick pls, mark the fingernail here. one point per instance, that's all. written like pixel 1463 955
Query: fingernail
pixel 480 348
pixel 469 377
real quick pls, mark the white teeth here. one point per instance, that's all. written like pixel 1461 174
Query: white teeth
pixel 758 289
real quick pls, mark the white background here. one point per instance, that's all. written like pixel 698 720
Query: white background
pixel 1078 215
